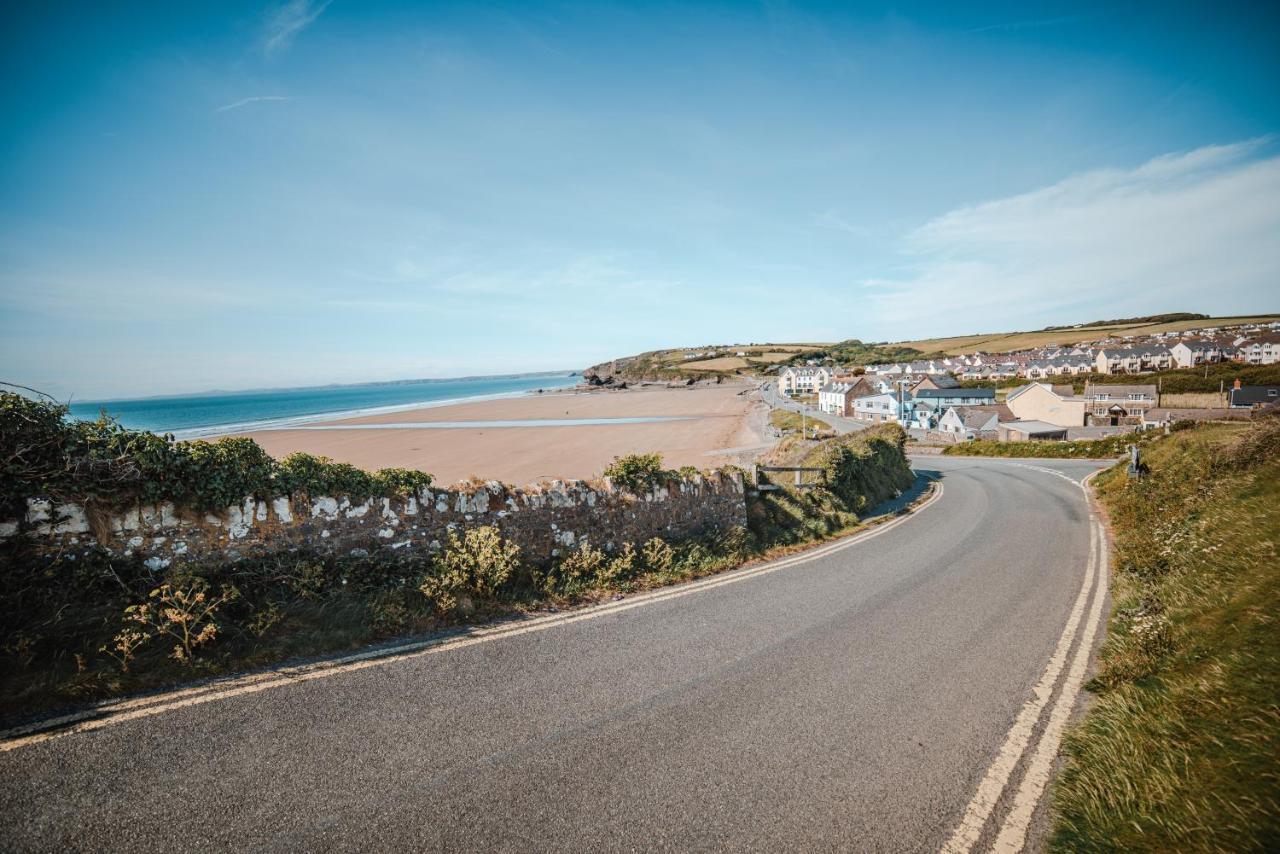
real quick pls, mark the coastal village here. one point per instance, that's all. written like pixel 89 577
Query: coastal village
pixel 978 396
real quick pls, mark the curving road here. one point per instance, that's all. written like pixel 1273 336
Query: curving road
pixel 860 698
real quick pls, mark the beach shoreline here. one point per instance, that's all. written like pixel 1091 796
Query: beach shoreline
pixel 705 425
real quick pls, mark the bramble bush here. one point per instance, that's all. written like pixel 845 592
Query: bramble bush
pixel 637 471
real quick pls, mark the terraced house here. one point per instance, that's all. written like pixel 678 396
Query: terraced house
pixel 794 380
pixel 837 396
pixel 1261 349
pixel 1118 404
pixel 1132 360
pixel 1196 351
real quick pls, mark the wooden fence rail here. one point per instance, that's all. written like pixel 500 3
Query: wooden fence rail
pixel 765 486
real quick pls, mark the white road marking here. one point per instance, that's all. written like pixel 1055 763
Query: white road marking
pixel 107 714
pixel 1016 742
pixel 1013 833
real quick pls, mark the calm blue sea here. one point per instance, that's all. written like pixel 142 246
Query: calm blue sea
pixel 208 414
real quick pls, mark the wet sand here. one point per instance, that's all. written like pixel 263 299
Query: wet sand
pixel 715 419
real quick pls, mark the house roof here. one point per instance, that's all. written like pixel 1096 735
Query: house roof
pixel 1066 392
pixel 1251 395
pixel 971 393
pixel 1092 388
pixel 1033 428
pixel 977 416
pixel 1264 338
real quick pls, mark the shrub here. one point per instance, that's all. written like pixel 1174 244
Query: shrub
pixel 623 565
pixel 579 567
pixel 322 476
pixel 475 565
pixel 402 482
pixel 637 471
pixel 658 556
pixel 217 474
pixel 42 453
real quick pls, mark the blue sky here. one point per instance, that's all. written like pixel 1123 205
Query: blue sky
pixel 240 195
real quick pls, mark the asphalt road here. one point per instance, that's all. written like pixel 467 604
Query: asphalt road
pixel 850 702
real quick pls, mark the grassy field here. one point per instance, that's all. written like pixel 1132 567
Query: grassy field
pixel 1004 341
pixel 789 422
pixel 1181 749
pixel 722 363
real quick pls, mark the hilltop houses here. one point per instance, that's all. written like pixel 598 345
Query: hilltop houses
pixel 1191 352
pixel 1132 360
pixel 1260 350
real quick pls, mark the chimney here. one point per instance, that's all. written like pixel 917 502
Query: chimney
pixel 1237 385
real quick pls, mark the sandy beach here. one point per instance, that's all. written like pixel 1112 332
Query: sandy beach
pixel 717 424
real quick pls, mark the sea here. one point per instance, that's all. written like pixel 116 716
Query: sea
pixel 216 413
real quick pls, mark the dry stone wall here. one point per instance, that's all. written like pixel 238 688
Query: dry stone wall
pixel 544 519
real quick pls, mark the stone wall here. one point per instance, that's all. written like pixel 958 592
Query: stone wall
pixel 544 519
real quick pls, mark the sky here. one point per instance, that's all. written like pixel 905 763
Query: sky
pixel 238 195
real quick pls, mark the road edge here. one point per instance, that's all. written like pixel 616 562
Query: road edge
pixel 124 709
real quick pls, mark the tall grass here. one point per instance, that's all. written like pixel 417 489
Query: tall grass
pixel 1181 751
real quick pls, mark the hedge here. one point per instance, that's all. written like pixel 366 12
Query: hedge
pixel 43 453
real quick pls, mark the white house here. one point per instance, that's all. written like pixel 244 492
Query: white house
pixel 1133 360
pixel 1260 350
pixel 1195 351
pixel 837 397
pixel 940 399
pixel 803 380
pixel 974 422
pixel 878 407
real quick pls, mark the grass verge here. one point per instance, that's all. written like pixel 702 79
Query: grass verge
pixel 790 422
pixel 1180 751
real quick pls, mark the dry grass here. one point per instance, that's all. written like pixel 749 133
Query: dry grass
pixel 723 363
pixel 1181 751
pixel 1194 400
pixel 790 422
pixel 1004 341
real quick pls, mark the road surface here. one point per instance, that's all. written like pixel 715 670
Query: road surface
pixel 862 698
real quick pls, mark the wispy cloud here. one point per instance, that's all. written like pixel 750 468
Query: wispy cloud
pixel 284 22
pixel 1036 23
pixel 1193 230
pixel 235 105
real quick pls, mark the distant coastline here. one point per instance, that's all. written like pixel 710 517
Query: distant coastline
pixel 216 413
